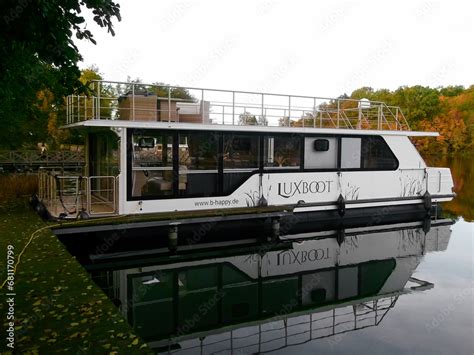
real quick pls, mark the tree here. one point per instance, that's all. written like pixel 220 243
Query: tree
pixel 452 90
pixel 262 121
pixel 247 118
pixel 284 121
pixel 418 103
pixel 51 110
pixel 38 54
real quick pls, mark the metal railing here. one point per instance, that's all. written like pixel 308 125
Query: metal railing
pixel 34 157
pixel 66 193
pixel 151 102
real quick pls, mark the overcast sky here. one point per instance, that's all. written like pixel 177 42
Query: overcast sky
pixel 322 48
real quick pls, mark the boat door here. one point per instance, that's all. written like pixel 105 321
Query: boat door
pixel 102 168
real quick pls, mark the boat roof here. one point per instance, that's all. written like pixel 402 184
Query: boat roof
pixel 242 128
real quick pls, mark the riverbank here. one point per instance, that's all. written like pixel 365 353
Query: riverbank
pixel 58 308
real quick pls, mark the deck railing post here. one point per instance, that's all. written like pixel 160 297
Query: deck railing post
pixel 98 99
pixel 67 110
pixel 359 121
pixel 202 106
pixel 133 101
pixel 379 121
pixel 396 118
pixel 263 110
pixel 289 111
pixel 314 112
pixel 338 108
pixel 93 107
pixel 233 107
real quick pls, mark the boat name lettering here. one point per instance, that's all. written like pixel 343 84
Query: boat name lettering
pixel 291 257
pixel 289 189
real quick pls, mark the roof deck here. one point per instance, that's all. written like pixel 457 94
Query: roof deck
pixel 138 102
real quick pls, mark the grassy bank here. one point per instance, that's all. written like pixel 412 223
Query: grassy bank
pixel 58 308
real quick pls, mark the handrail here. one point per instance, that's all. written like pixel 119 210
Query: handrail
pixel 69 195
pixel 36 157
pixel 152 102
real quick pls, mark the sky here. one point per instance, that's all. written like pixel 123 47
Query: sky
pixel 315 48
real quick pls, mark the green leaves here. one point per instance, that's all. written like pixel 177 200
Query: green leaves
pixel 38 53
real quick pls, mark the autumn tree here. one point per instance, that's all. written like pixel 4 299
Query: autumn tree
pixel 39 55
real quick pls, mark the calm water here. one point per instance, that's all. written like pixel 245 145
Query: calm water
pixel 391 289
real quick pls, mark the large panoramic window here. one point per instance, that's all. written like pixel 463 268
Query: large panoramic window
pixel 370 152
pixel 240 151
pixel 152 164
pixel 198 161
pixel 241 154
pixel 281 152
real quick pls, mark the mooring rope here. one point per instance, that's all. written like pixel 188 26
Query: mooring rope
pixel 34 235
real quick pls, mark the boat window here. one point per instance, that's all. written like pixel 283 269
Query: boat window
pixel 240 159
pixel 350 153
pixel 152 164
pixel 240 151
pixel 281 152
pixel 198 159
pixel 370 152
pixel 376 154
pixel 315 157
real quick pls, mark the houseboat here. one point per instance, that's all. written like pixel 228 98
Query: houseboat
pixel 175 151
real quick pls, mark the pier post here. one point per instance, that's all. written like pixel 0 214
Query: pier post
pixel 173 237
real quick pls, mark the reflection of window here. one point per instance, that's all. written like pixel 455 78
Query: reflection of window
pixel 152 164
pixel 282 151
pixel 240 152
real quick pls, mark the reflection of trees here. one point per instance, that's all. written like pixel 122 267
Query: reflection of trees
pixel 462 168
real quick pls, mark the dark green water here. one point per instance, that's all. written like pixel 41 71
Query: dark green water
pixel 405 288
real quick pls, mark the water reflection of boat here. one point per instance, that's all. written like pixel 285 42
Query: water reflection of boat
pixel 273 296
